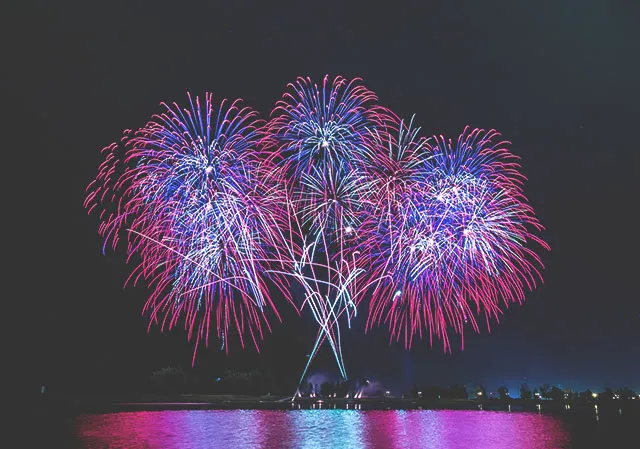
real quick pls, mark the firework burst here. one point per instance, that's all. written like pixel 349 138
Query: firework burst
pixel 188 201
pixel 453 244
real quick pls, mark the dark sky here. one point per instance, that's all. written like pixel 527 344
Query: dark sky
pixel 558 78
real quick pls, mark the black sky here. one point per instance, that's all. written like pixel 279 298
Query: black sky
pixel 560 79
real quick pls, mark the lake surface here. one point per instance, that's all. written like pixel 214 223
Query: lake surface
pixel 447 429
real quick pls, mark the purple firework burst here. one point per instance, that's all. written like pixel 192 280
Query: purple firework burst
pixel 452 240
pixel 184 192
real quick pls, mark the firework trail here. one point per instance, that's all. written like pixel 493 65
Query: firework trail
pixel 183 192
pixel 450 239
pixel 316 138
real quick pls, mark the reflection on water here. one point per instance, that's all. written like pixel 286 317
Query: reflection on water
pixel 239 429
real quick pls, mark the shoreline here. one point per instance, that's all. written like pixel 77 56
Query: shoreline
pixel 130 403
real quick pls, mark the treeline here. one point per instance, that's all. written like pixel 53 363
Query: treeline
pixel 552 392
pixel 542 392
pixel 176 380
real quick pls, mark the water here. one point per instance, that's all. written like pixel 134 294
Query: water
pixel 446 429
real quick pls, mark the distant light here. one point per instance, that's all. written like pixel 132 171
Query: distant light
pixel 479 393
pixel 595 395
pixel 348 229
pixel 325 144
pixel 208 170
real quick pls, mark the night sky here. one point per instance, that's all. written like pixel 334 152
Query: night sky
pixel 558 78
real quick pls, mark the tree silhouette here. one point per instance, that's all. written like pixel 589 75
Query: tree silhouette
pixel 545 391
pixel 433 392
pixel 556 394
pixel 625 393
pixel 503 391
pixel 481 392
pixel 586 395
pixel 169 379
pixel 525 392
pixel 457 391
pixel 606 395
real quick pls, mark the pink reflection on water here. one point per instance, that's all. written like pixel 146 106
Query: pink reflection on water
pixel 454 429
pixel 181 429
pixel 310 429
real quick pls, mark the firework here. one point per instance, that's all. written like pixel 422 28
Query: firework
pixel 451 240
pixel 316 143
pixel 334 194
pixel 183 192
